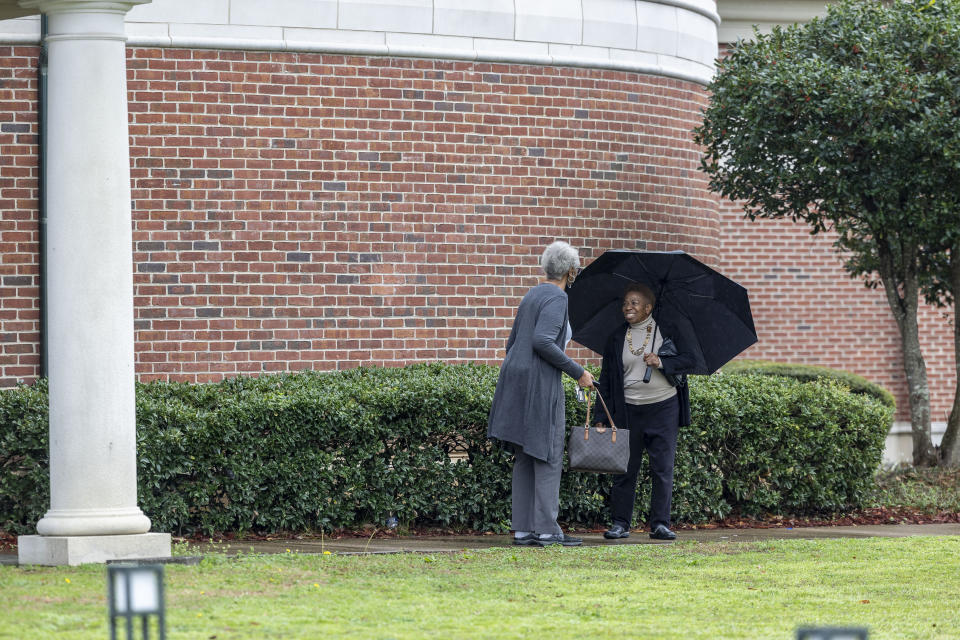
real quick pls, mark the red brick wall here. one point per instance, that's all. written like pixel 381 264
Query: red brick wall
pixel 302 210
pixel 19 267
pixel 315 211
pixel 807 310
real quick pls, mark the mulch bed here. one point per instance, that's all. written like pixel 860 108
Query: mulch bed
pixel 878 515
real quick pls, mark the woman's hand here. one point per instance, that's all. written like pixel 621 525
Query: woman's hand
pixel 586 380
pixel 653 360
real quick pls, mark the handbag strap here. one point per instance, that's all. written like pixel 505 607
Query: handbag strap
pixel 605 410
pixel 588 407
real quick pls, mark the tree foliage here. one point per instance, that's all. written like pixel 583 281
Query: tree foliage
pixel 851 123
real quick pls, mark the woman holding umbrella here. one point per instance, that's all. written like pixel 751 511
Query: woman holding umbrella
pixel 527 414
pixel 642 378
pixel 708 317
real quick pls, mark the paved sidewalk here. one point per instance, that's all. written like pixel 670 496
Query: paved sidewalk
pixel 439 544
pixel 434 544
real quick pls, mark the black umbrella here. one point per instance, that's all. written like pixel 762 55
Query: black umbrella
pixel 705 312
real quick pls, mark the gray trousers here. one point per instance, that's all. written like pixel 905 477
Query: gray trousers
pixel 536 489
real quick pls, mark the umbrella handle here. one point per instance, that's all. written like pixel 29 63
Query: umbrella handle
pixel 649 371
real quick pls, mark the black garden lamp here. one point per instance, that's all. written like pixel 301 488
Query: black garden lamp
pixel 136 591
pixel 832 633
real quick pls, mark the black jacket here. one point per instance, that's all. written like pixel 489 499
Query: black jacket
pixel 676 363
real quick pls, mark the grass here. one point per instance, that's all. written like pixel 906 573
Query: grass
pixel 899 588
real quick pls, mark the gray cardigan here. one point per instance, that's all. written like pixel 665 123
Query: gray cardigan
pixel 528 405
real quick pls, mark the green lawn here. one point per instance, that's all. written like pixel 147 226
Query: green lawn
pixel 899 588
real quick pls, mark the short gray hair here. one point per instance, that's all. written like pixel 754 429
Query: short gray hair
pixel 558 259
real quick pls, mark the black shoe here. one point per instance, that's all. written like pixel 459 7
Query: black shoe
pixel 661 532
pixel 615 532
pixel 567 541
pixel 529 540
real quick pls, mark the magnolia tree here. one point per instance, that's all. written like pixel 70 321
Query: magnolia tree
pixel 851 124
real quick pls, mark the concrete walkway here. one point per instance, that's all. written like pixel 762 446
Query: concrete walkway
pixel 436 544
pixel 439 544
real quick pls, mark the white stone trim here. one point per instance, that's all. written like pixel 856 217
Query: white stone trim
pixel 221 32
pixel 903 426
pixel 740 16
pixel 780 11
pixel 512 52
pixel 81 6
pixel 704 8
pixel 677 68
pixel 675 38
pixel 898 448
pixel 87 36
pixel 20 38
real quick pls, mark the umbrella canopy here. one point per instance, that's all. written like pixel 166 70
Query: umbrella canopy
pixel 703 311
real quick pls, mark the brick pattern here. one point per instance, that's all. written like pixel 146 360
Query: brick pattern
pixel 19 235
pixel 317 211
pixel 313 211
pixel 307 210
pixel 808 310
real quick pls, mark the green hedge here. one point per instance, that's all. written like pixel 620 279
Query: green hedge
pixel 307 451
pixel 809 373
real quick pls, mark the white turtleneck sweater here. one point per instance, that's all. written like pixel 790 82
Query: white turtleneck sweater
pixel 634 389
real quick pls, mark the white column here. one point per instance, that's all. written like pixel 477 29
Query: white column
pixel 93 483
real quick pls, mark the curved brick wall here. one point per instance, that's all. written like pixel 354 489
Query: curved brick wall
pixel 310 210
pixel 266 241
pixel 322 211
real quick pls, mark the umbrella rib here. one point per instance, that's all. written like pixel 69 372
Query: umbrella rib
pixel 666 279
pixel 644 267
pixel 679 308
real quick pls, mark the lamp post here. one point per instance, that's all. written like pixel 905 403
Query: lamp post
pixel 832 633
pixel 136 591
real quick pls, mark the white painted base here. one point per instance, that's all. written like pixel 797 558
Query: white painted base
pixel 899 446
pixel 74 550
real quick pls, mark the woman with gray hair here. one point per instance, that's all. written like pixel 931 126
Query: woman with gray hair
pixel 527 414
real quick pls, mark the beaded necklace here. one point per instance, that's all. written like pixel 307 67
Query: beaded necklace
pixel 646 340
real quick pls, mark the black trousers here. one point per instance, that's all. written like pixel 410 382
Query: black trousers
pixel 653 428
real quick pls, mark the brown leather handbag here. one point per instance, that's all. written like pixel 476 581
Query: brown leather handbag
pixel 599 449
